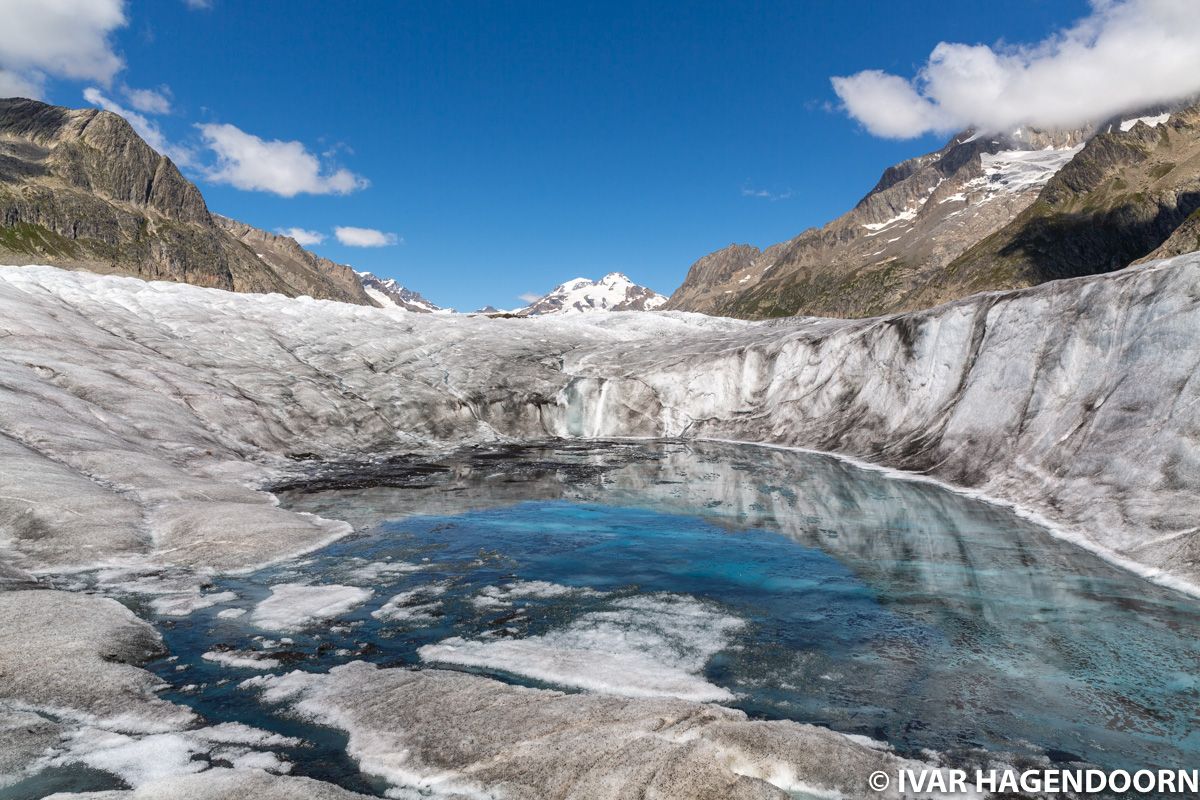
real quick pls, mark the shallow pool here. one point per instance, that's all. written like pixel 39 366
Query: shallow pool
pixel 787 584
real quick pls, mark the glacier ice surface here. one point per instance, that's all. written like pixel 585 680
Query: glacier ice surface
pixel 646 646
pixel 455 734
pixel 147 416
pixel 140 423
pixel 295 606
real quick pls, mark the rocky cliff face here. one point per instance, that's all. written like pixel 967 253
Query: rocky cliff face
pixel 307 273
pixel 1115 203
pixel 80 189
pixel 922 214
pixel 983 213
pixel 1185 239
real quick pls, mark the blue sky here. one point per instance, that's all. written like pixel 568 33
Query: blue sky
pixel 510 146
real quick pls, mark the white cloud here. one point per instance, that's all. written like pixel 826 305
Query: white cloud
pixel 149 101
pixel 303 237
pixel 146 128
pixel 364 237
pixel 766 194
pixel 198 5
pixel 1125 56
pixel 13 84
pixel 285 168
pixel 529 297
pixel 58 38
pixel 888 105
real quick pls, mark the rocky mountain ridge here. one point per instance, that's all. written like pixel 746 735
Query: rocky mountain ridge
pixel 955 222
pixel 1120 200
pixel 308 272
pixel 80 189
pixel 390 293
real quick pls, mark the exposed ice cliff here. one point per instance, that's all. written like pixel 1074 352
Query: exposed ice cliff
pixel 137 418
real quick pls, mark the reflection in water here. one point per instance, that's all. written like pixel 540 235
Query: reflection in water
pixel 892 608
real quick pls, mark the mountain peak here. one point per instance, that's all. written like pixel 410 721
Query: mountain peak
pixel 79 188
pixel 389 293
pixel 921 214
pixel 613 292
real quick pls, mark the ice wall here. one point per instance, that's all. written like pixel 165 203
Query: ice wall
pixel 139 419
pixel 1077 400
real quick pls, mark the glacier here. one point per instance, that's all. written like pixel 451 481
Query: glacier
pixel 459 732
pixel 140 421
pixel 141 424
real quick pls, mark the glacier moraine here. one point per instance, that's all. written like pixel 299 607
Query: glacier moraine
pixel 335 564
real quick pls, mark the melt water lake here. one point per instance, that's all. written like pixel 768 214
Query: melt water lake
pixel 786 584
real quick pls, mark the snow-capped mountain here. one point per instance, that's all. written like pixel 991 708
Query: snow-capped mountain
pixel 985 212
pixel 613 292
pixel 390 294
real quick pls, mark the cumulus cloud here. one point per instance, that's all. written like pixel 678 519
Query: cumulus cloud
pixel 364 237
pixel 146 128
pixel 149 101
pixel 13 84
pixel 302 236
pixel 57 38
pixel 246 161
pixel 1126 55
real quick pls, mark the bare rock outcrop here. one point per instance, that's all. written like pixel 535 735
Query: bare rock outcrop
pixel 80 189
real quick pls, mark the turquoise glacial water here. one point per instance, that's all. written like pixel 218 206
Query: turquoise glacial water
pixel 825 594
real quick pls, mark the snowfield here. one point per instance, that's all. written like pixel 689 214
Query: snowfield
pixel 139 423
pixel 1019 170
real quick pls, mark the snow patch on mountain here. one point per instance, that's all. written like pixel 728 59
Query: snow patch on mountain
pixel 391 294
pixel 1153 122
pixel 613 292
pixel 1012 171
pixel 1016 171
pixel 907 215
